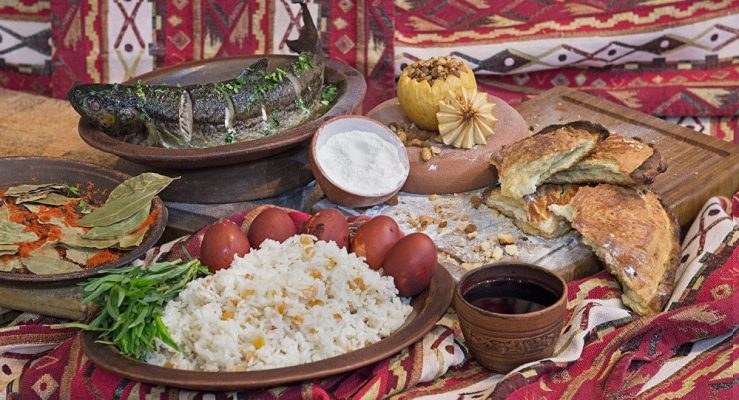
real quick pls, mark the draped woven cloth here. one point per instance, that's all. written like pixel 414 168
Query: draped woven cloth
pixel 605 350
pixel 671 58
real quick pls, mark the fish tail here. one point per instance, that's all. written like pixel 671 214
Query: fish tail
pixel 308 40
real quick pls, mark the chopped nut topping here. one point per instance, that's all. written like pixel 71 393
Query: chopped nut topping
pixel 471 235
pixel 497 253
pixel 434 197
pixel 511 250
pixel 434 68
pixel 475 201
pixel 505 238
pixel 425 154
pixel 437 209
pixel 470 228
pixel 442 224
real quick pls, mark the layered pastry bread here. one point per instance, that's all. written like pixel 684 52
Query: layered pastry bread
pixel 618 160
pixel 635 237
pixel 531 213
pixel 526 164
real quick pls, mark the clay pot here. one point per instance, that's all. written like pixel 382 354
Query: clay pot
pixel 502 342
pixel 331 188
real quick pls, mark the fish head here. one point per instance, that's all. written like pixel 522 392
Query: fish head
pixel 108 107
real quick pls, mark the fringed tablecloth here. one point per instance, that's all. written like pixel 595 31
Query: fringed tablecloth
pixel 605 350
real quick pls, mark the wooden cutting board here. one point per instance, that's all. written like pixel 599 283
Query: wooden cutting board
pixel 698 166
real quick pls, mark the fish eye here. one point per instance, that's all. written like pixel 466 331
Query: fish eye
pixel 93 105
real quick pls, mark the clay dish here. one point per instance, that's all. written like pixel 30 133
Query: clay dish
pixel 351 93
pixel 428 307
pixel 456 170
pixel 23 170
pixel 502 342
pixel 331 188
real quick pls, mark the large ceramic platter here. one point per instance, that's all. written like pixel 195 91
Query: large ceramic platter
pixel 350 81
pixel 23 170
pixel 428 307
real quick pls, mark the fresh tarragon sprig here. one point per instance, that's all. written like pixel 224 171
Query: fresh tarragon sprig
pixel 132 301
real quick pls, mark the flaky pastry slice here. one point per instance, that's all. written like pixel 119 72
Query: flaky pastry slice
pixel 618 160
pixel 526 164
pixel 531 213
pixel 634 236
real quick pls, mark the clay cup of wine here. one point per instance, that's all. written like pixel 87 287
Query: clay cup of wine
pixel 510 313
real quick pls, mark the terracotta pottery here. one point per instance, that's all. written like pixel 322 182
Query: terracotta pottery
pixel 428 307
pixel 346 123
pixel 23 170
pixel 456 170
pixel 352 89
pixel 502 342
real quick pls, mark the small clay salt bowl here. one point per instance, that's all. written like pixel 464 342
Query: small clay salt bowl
pixel 530 302
pixel 333 189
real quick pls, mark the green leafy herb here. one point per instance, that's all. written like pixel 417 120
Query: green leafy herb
pixel 328 94
pixel 83 207
pixel 230 135
pixel 72 189
pixel 132 301
pixel 302 64
pixel 276 76
pixel 300 104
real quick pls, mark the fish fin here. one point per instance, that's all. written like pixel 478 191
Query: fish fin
pixel 185 117
pixel 308 40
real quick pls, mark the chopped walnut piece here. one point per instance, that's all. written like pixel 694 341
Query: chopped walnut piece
pixel 475 201
pixel 505 238
pixel 434 197
pixel 425 154
pixel 470 228
pixel 511 250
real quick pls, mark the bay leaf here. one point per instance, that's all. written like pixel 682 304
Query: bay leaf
pixel 8 249
pixel 11 233
pixel 133 239
pixel 120 228
pixel 19 190
pixel 46 261
pixel 31 197
pixel 140 183
pixel 34 208
pixel 76 240
pixel 80 255
pixel 10 265
pixel 53 199
pixel 119 209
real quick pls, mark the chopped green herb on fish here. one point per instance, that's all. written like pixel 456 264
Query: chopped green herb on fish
pixel 256 101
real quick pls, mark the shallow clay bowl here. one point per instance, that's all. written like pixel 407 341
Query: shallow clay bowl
pixel 351 88
pixel 428 307
pixel 36 170
pixel 456 170
pixel 331 188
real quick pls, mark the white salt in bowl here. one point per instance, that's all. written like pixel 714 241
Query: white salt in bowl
pixel 339 192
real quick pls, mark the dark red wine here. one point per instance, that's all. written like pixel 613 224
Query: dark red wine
pixel 509 297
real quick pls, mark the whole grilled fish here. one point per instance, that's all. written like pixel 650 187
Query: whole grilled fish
pixel 255 104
